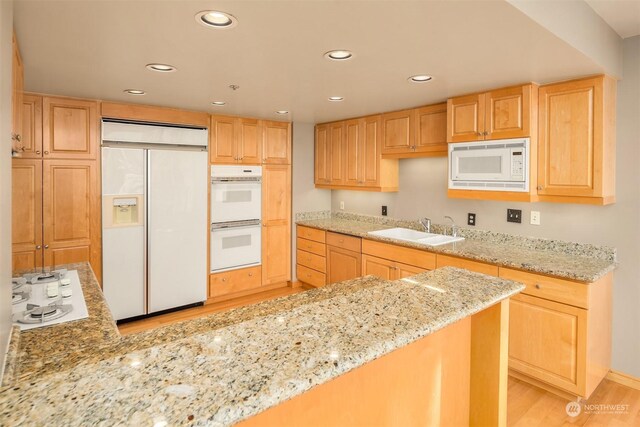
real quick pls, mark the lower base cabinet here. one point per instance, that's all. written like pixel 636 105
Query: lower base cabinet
pixel 344 257
pixel 311 263
pixel 234 282
pixel 387 269
pixel 560 332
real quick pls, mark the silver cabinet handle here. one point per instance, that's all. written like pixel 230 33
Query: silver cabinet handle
pixel 38 152
pixel 224 279
pixel 540 187
pixel 46 246
pixel 46 152
pixel 538 286
pixel 38 247
pixel 250 274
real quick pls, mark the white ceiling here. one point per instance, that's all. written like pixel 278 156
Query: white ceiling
pixel 96 49
pixel 621 15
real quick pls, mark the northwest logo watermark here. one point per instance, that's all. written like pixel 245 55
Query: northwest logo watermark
pixel 574 409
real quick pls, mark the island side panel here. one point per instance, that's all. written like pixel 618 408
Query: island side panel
pixel 489 366
pixel 424 383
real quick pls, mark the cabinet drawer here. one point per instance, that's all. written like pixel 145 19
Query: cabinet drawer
pixel 478 267
pixel 310 260
pixel 310 246
pixel 312 277
pixel 229 282
pixel 409 256
pixel 550 288
pixel 343 241
pixel 310 233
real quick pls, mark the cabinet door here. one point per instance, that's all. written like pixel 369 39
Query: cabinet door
pixel 342 264
pixel 277 143
pixel 404 270
pixel 222 140
pixel 70 212
pixel 70 128
pixel 26 213
pixel 570 138
pixel 398 130
pixel 32 127
pixel 353 152
pixel 276 221
pixel 249 146
pixel 431 136
pixel 547 340
pixel 465 118
pixel 17 83
pixel 370 150
pixel 382 268
pixel 508 113
pixel 322 155
pixel 336 141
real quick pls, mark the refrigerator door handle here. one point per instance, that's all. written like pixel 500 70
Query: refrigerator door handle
pixel 147 217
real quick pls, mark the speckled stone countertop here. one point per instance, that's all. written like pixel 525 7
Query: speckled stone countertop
pixel 581 262
pixel 229 366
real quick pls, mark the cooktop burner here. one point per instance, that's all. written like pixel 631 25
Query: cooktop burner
pixel 20 296
pixel 37 314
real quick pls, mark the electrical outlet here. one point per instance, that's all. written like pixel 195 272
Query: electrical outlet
pixel 471 219
pixel 341 205
pixel 535 218
pixel 514 215
pixel 384 210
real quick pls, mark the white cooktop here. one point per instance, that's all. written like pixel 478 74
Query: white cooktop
pixel 39 297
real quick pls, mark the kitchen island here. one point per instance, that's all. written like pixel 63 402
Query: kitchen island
pixel 439 338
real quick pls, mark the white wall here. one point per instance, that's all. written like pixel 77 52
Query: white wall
pixel 423 193
pixel 306 198
pixel 6 28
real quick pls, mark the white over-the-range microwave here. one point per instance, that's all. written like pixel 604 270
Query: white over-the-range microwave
pixel 501 165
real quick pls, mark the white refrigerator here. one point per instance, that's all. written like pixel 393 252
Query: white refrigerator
pixel 154 227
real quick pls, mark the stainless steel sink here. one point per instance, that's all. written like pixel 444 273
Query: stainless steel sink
pixel 419 237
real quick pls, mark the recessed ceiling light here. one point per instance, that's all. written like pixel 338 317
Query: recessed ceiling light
pixel 218 103
pixel 134 91
pixel 336 98
pixel 282 112
pixel 339 54
pixel 163 68
pixel 216 19
pixel 419 78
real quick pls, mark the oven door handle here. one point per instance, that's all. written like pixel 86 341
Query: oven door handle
pixel 236 179
pixel 235 224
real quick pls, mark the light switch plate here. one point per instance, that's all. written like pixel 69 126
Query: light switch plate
pixel 341 205
pixel 535 217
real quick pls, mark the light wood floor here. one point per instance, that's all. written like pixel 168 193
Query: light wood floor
pixel 527 405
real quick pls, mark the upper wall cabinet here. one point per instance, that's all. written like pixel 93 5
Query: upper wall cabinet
pixel 419 132
pixel 31 127
pixel 70 128
pixel 235 140
pixel 576 155
pixel 276 145
pixel 348 156
pixel 17 83
pixel 499 114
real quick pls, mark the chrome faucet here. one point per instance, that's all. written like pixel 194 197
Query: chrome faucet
pixel 426 224
pixel 454 227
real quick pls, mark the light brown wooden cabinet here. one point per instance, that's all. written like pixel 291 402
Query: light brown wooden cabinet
pixel 17 84
pixel 387 269
pixel 277 143
pixel 348 156
pixel 576 154
pixel 311 264
pixel 419 132
pixel 70 128
pixel 276 221
pixel 560 332
pixel 344 257
pixel 234 282
pixel 31 127
pixel 392 262
pixel 26 212
pixel 71 221
pixel 498 114
pixel 235 140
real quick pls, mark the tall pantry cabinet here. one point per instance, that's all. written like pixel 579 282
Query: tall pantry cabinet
pixel 56 218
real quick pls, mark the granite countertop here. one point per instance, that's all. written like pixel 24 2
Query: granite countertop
pixel 228 366
pixel 580 262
